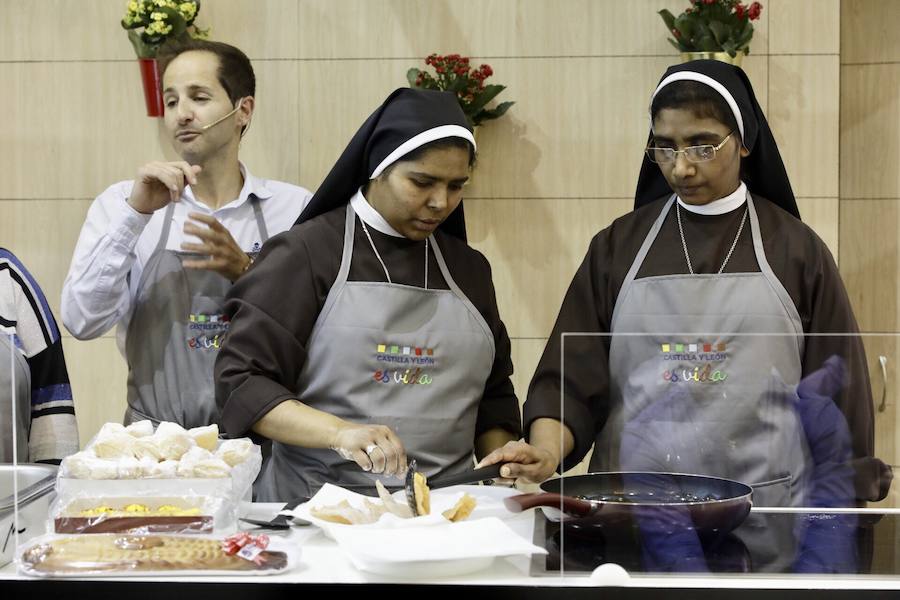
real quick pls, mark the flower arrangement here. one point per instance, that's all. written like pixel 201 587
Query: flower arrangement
pixel 453 73
pixel 151 22
pixel 713 26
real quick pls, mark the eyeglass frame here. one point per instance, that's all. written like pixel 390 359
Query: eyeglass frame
pixel 675 153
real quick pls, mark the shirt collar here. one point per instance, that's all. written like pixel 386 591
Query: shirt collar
pixel 253 186
pixel 720 206
pixel 370 216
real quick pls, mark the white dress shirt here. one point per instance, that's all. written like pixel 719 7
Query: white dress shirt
pixel 116 242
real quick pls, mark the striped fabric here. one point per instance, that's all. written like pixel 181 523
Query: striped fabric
pixel 24 311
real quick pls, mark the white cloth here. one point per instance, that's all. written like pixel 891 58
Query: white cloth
pixel 116 241
pixel 720 206
pixel 370 216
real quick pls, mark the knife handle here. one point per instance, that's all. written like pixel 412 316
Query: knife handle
pixel 482 474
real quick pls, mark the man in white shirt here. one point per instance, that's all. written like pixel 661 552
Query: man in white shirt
pixel 157 255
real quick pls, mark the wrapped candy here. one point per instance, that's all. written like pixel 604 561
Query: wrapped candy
pixel 172 440
pixel 103 469
pixel 205 437
pixel 78 465
pixel 128 467
pixel 234 452
pixel 147 447
pixel 113 445
pixel 191 459
pixel 140 429
pixel 212 468
pixel 167 469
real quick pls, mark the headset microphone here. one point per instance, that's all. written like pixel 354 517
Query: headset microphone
pixel 217 121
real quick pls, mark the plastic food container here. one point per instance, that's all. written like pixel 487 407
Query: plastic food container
pixel 35 491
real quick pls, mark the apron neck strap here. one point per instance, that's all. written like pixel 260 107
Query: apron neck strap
pixel 260 221
pixel 166 228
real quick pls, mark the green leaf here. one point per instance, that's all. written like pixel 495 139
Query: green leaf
pixel 707 44
pixel 499 111
pixel 411 76
pixel 489 93
pixel 676 44
pixel 668 18
pixel 720 31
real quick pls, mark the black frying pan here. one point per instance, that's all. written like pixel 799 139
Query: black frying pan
pixel 608 502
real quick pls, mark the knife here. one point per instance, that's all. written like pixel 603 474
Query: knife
pixel 440 481
pixel 281 521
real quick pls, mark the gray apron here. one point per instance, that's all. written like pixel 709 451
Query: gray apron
pixel 174 336
pixel 23 402
pixel 413 359
pixel 696 394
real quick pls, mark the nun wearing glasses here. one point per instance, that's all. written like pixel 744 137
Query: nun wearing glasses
pixel 369 334
pixel 716 284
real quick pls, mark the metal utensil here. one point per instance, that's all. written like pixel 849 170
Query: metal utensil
pixel 475 476
pixel 282 521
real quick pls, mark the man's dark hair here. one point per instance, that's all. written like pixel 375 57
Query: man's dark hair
pixel 235 72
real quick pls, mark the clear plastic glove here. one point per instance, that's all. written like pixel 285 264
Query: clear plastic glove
pixel 375 448
pixel 531 464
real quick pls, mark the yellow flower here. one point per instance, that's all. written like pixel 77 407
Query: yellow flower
pixel 133 6
pixel 160 3
pixel 158 16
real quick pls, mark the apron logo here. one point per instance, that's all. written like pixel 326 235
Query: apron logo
pixel 415 356
pixel 409 355
pixel 205 342
pixel 206 322
pixel 700 352
pixel 406 377
pixel 255 247
pixel 210 331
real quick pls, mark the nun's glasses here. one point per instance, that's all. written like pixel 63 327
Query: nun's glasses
pixel 694 154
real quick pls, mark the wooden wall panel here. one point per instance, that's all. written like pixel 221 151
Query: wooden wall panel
pixel 491 28
pixel 78 128
pixel 98 374
pixel 803 112
pixel 46 255
pixel 271 147
pixel 534 261
pixel 870 131
pixel 870 261
pixel 822 215
pixel 803 27
pixel 869 31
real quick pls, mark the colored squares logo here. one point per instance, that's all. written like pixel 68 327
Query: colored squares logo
pixel 707 347
pixel 666 348
pixel 692 348
pixel 720 347
pixel 403 350
pixel 679 347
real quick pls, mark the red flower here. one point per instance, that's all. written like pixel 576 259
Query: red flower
pixel 754 11
pixel 741 11
pixel 486 70
pixel 676 33
pixel 439 69
pixel 464 60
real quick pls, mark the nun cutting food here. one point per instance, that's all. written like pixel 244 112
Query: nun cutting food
pixel 710 290
pixel 369 334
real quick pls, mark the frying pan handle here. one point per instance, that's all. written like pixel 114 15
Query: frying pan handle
pixel 570 506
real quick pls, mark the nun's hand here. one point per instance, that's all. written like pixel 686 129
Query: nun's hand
pixel 225 256
pixel 159 183
pixel 375 448
pixel 531 464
